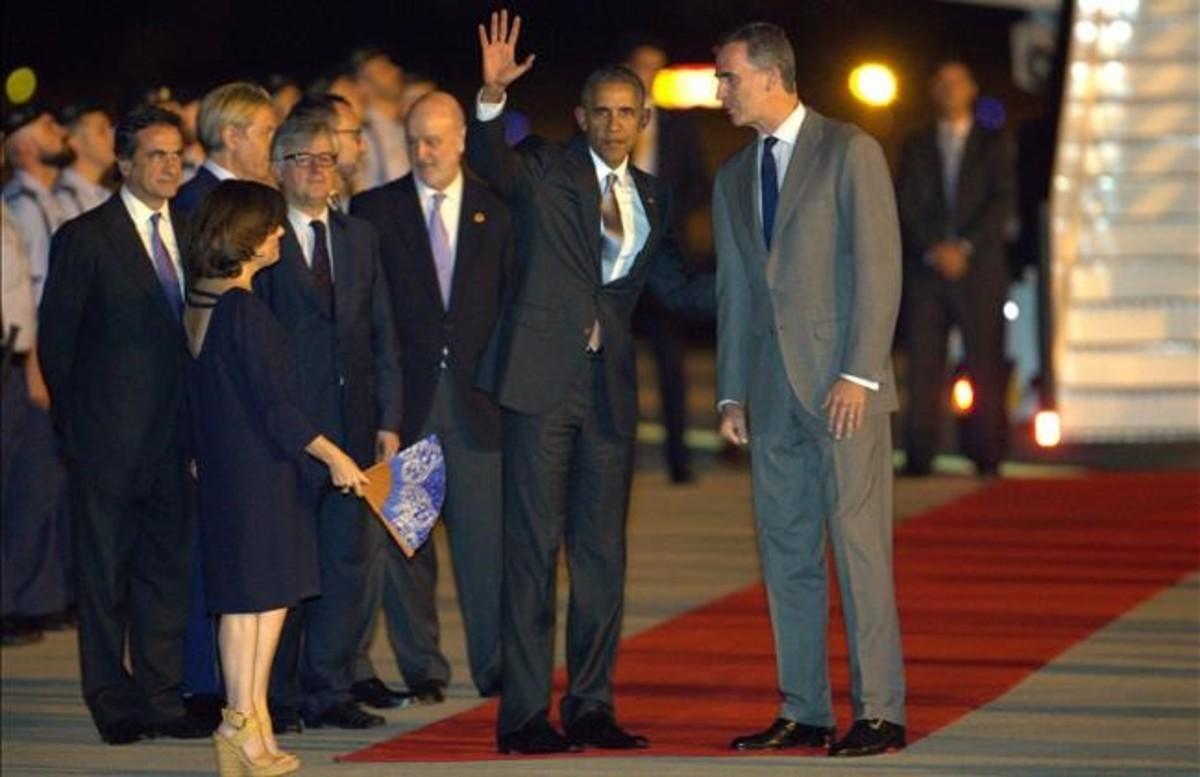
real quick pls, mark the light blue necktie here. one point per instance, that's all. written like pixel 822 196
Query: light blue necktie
pixel 439 243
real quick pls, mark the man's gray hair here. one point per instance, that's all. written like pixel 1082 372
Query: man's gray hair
pixel 297 130
pixel 767 46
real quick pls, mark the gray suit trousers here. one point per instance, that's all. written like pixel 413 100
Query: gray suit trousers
pixel 807 486
pixel 473 517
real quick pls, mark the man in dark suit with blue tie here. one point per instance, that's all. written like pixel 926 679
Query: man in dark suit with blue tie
pixel 592 233
pixel 447 254
pixel 113 353
pixel 328 290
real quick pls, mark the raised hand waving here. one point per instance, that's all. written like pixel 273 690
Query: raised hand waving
pixel 499 47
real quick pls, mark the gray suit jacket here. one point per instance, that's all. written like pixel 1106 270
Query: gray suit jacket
pixel 828 291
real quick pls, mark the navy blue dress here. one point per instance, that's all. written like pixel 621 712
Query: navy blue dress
pixel 257 518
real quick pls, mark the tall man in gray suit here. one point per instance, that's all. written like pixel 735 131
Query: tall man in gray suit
pixel 808 286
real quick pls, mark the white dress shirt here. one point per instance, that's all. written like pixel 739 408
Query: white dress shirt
pixel 140 212
pixel 302 225
pixel 634 224
pixel 451 207
pixel 221 173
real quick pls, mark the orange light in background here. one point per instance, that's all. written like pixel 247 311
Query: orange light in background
pixel 681 87
pixel 874 84
pixel 1047 431
pixel 962 396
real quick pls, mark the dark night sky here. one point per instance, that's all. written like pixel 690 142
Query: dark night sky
pixel 112 51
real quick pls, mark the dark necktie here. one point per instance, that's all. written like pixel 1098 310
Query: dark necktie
pixel 164 268
pixel 770 188
pixel 321 268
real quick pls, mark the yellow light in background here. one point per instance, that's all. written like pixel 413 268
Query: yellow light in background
pixel 1047 431
pixel 681 87
pixel 962 395
pixel 20 85
pixel 873 84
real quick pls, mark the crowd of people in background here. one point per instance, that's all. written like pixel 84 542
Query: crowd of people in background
pixel 134 508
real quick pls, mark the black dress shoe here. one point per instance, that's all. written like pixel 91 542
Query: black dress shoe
pixel 15 632
pixel 286 720
pixel 183 727
pixel 870 737
pixel 122 732
pixel 427 693
pixel 598 729
pixel 374 693
pixel 783 734
pixel 345 715
pixel 56 621
pixel 537 737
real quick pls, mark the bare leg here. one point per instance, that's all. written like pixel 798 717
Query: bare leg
pixel 270 626
pixel 238 641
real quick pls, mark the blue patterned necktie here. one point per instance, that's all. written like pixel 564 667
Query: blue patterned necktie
pixel 769 179
pixel 164 268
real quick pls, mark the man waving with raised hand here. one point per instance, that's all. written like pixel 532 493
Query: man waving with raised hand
pixel 592 232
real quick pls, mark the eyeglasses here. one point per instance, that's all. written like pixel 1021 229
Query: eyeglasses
pixel 305 159
pixel 356 132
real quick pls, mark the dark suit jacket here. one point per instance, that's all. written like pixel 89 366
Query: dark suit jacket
pixel 349 375
pixel 983 204
pixel 113 354
pixel 192 193
pixel 542 334
pixel 424 327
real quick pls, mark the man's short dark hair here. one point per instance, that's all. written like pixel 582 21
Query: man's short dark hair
pixel 767 46
pixel 612 74
pixel 138 119
pixel 319 107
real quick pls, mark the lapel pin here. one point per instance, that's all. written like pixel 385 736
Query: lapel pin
pixel 479 217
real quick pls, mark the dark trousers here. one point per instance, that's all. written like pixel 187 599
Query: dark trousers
pixel 134 536
pixel 333 622
pixel 35 551
pixel 932 307
pixel 668 343
pixel 201 661
pixel 473 517
pixel 567 474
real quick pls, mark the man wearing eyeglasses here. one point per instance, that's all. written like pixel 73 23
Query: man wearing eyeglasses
pixel 328 290
pixel 347 129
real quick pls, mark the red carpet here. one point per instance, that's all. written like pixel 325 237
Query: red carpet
pixel 991 587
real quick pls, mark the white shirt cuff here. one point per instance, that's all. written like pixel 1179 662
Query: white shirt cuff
pixel 488 111
pixel 721 405
pixel 873 385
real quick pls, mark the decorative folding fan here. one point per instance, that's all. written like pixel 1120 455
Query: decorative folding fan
pixel 407 492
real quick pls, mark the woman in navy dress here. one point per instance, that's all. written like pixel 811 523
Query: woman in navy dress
pixel 253 446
